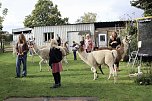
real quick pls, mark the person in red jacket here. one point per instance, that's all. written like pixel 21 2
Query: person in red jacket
pixel 88 43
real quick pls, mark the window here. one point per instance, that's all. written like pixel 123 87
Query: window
pixel 102 37
pixel 48 36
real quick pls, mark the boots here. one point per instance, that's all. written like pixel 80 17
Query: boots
pixel 57 79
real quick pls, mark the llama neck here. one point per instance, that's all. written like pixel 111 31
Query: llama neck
pixel 83 55
pixel 36 50
pixel 123 49
pixel 125 46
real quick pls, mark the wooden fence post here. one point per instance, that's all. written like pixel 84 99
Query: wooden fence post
pixel 3 45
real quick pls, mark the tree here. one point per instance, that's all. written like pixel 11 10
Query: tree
pixel 44 14
pixel 146 5
pixel 4 13
pixel 2 17
pixel 87 18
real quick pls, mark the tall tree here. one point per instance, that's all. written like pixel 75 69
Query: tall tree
pixel 87 18
pixel 4 13
pixel 44 14
pixel 2 17
pixel 146 5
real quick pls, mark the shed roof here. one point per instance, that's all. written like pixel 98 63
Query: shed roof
pixel 110 24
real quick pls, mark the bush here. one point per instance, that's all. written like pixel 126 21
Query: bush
pixel 145 79
pixel 133 43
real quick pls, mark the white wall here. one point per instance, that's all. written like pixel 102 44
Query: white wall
pixel 27 36
pixel 61 30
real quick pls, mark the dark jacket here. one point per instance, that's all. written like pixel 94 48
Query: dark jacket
pixel 55 56
pixel 25 48
pixel 59 41
pixel 114 45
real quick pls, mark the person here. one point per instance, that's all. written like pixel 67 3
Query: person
pixel 58 40
pixel 88 43
pixel 115 43
pixel 82 42
pixel 74 49
pixel 22 50
pixel 30 45
pixel 55 56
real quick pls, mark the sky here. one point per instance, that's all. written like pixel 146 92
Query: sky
pixel 107 10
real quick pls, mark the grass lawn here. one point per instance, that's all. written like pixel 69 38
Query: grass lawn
pixel 76 82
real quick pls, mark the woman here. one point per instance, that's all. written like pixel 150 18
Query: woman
pixel 115 43
pixel 88 43
pixel 56 55
pixel 21 49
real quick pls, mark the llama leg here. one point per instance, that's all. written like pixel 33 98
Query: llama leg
pixel 65 60
pixel 109 75
pixel 40 65
pixel 48 65
pixel 32 58
pixel 110 71
pixel 95 74
pixel 100 68
pixel 115 73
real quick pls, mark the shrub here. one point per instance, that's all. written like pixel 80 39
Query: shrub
pixel 145 79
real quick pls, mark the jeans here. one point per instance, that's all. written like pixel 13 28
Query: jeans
pixel 19 60
pixel 75 55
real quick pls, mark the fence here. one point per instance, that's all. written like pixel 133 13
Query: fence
pixel 2 41
pixel 5 46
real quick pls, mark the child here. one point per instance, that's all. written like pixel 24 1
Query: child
pixel 56 55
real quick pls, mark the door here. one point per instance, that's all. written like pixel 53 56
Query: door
pixel 102 40
pixel 73 36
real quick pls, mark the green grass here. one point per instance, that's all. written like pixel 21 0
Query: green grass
pixel 76 82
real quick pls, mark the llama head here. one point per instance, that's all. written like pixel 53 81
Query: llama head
pixel 53 43
pixel 125 43
pixel 126 40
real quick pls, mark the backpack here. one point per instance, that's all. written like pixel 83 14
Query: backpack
pixel 55 56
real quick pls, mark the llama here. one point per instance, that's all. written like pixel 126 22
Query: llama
pixel 35 48
pixel 96 58
pixel 48 46
pixel 121 51
pixel 43 53
pixel 65 47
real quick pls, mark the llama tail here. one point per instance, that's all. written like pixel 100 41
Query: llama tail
pixel 114 53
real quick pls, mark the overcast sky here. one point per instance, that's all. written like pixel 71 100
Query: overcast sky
pixel 107 10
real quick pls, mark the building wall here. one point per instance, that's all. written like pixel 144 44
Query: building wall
pixel 61 30
pixel 27 36
pixel 107 31
pixel 28 33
